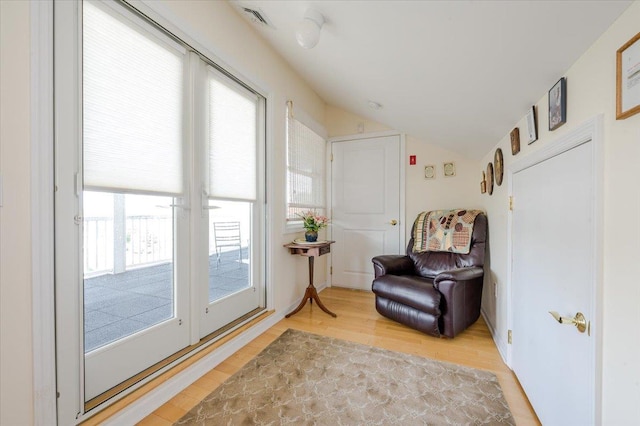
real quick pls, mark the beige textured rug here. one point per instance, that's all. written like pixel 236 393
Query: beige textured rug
pixel 303 378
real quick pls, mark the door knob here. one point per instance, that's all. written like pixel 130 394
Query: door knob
pixel 579 320
pixel 393 222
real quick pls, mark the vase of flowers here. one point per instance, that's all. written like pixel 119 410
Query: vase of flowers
pixel 312 223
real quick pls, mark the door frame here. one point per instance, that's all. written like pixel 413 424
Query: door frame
pixel 590 130
pixel 46 398
pixel 402 170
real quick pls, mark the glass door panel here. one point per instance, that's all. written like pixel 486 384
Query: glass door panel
pixel 128 265
pixel 229 248
pixel 231 291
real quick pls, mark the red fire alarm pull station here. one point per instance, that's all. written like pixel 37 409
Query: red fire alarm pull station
pixel 412 160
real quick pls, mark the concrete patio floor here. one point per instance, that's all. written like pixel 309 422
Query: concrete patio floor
pixel 122 304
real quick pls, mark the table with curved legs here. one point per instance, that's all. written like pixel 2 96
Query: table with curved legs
pixel 310 250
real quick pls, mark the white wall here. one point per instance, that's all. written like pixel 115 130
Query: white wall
pixel 591 88
pixel 460 191
pixel 16 405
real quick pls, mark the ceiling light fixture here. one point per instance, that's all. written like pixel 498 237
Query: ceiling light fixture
pixel 374 105
pixel 308 31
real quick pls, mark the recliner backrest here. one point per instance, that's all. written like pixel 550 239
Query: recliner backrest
pixel 430 263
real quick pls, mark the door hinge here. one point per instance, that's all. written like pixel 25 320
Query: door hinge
pixel 509 336
pixel 510 203
pixel 331 157
pixel 330 270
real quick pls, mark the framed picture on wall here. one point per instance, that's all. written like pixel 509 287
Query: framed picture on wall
pixel 628 78
pixel 532 125
pixel 558 104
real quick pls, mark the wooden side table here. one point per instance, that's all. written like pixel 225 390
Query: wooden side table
pixel 310 250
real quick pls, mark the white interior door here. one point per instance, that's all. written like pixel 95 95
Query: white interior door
pixel 365 203
pixel 553 256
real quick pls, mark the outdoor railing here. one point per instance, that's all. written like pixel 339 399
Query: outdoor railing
pixel 98 244
pixel 140 241
pixel 149 240
pixel 146 240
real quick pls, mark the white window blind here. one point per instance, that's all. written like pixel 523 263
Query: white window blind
pixel 132 105
pixel 306 159
pixel 233 121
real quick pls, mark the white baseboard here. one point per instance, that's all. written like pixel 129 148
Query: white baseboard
pixel 500 344
pixel 147 404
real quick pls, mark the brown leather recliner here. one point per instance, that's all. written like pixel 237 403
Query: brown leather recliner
pixel 438 293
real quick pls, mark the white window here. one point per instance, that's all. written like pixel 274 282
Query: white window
pixel 306 167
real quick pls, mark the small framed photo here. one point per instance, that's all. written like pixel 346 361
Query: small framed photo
pixel 430 171
pixel 532 125
pixel 628 78
pixel 515 141
pixel 449 169
pixel 483 184
pixel 558 104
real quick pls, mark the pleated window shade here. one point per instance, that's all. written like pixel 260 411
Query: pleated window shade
pixel 233 144
pixel 306 157
pixel 133 87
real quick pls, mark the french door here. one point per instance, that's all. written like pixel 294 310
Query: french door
pixel 159 199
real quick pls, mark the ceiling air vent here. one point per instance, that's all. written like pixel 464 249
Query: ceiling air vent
pixel 256 16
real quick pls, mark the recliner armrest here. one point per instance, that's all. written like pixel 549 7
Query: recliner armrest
pixel 461 291
pixel 460 274
pixel 392 265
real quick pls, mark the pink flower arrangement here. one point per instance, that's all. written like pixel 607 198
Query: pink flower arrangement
pixel 312 221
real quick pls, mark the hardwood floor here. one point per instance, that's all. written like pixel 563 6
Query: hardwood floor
pixel 359 322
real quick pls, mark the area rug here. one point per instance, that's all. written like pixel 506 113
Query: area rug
pixel 303 378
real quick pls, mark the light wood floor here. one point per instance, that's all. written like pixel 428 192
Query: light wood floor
pixel 359 322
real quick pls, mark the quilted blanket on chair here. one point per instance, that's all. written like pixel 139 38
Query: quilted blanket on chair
pixel 444 230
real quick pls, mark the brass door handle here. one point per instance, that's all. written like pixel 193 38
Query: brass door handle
pixel 393 222
pixel 579 320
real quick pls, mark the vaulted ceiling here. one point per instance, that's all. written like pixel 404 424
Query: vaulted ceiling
pixel 458 74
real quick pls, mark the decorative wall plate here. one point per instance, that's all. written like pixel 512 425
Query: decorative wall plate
pixel 515 141
pixel 490 178
pixel 449 169
pixel 498 165
pixel 430 171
